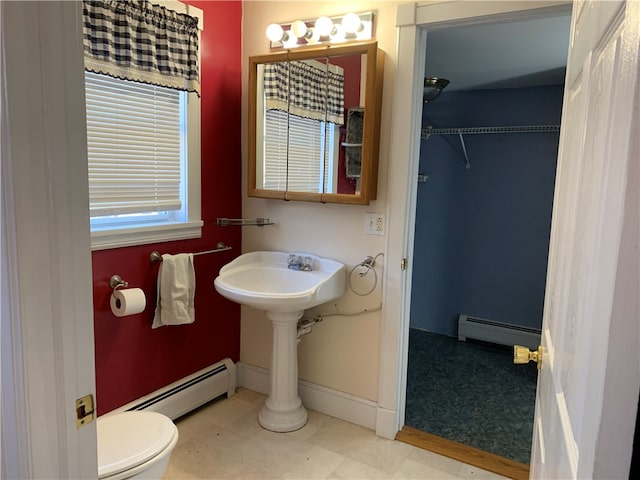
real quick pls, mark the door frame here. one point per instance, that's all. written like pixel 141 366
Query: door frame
pixel 47 350
pixel 413 22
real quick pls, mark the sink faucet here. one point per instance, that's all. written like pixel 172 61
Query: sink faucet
pixel 297 262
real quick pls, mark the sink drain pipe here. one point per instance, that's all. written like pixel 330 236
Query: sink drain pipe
pixel 305 325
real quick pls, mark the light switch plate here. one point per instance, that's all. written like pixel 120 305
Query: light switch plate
pixel 374 223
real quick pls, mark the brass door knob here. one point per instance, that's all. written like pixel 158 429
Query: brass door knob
pixel 524 355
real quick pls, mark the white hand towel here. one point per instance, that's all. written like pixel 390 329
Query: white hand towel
pixel 176 291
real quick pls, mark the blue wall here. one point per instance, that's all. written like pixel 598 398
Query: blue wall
pixel 482 234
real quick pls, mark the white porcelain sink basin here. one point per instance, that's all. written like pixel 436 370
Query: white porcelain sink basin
pixel 262 280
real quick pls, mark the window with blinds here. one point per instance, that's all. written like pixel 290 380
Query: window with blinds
pixel 308 164
pixel 136 142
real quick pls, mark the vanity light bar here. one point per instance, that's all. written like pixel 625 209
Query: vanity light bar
pixel 340 29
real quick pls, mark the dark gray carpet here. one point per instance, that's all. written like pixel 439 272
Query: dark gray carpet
pixel 471 393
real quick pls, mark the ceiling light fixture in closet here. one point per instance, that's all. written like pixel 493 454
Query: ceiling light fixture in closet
pixel 433 88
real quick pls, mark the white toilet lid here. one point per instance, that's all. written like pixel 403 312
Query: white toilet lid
pixel 128 439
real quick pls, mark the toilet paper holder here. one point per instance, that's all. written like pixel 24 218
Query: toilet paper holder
pixel 116 282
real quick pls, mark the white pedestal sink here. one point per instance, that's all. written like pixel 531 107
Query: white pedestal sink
pixel 263 280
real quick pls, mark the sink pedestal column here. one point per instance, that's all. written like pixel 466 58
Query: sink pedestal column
pixel 283 410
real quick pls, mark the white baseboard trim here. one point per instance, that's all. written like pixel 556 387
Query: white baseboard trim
pixel 386 423
pixel 322 399
pixel 253 378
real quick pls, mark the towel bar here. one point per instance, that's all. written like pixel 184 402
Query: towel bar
pixel 220 247
pixel 243 222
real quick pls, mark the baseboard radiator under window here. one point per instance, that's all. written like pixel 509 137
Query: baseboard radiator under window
pixel 190 392
pixel 496 332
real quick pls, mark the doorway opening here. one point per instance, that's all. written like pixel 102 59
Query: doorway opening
pixel 482 223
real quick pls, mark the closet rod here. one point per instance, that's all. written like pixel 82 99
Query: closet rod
pixel 427 132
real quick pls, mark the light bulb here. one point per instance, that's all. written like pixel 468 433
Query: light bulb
pixel 351 23
pixel 314 37
pixel 299 29
pixel 275 32
pixel 289 41
pixel 324 26
pixel 338 33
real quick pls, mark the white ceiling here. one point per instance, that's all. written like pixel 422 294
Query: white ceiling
pixel 507 55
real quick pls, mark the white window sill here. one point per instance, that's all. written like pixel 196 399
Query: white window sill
pixel 125 237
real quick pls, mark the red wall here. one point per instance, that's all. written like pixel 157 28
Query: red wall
pixel 131 359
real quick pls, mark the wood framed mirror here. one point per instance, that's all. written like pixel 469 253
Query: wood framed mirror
pixel 314 123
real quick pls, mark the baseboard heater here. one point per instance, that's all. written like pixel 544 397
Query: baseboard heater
pixel 189 392
pixel 497 332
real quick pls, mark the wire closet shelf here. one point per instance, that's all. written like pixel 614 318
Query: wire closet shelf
pixel 429 131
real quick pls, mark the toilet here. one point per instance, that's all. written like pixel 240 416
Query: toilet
pixel 134 445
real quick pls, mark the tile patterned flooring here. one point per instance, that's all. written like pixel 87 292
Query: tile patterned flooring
pixel 222 440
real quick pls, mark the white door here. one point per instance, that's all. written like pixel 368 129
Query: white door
pixel 588 393
pixel 47 313
pixel 592 285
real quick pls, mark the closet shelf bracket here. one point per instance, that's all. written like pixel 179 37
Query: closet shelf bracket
pixel 467 164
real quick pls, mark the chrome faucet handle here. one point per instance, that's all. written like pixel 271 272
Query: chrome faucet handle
pixel 293 262
pixel 306 263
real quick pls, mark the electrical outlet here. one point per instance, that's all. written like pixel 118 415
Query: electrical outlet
pixel 374 223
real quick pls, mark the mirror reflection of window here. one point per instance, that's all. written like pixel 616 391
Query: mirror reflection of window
pixel 303 112
pixel 296 168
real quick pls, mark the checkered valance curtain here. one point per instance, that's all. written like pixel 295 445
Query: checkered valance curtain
pixel 135 40
pixel 305 90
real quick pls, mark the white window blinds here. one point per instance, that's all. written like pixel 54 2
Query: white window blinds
pixel 305 154
pixel 135 146
pixel 275 150
pixel 307 164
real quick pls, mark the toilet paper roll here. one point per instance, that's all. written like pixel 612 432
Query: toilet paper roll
pixel 128 301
